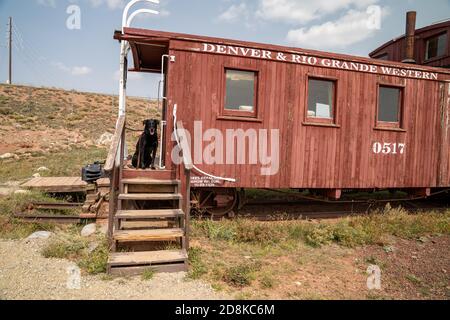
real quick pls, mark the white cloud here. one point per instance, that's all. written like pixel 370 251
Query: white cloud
pixel 130 75
pixel 112 4
pixel 47 3
pixel 303 11
pixel 351 28
pixel 117 4
pixel 234 12
pixel 74 71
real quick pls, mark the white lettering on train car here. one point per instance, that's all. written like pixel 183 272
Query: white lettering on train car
pixel 388 148
pixel 312 60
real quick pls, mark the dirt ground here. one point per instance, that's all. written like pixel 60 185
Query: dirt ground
pixel 414 269
pixel 25 274
pixel 410 270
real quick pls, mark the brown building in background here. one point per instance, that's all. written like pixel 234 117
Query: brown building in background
pixel 429 46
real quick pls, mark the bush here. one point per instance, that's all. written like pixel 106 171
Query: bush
pixel 267 281
pixel 319 235
pixel 198 268
pixel 224 230
pixel 148 274
pixel 96 261
pixel 251 232
pixel 241 275
pixel 350 232
pixel 63 248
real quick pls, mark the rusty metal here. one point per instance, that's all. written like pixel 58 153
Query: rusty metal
pixel 54 205
pixel 410 37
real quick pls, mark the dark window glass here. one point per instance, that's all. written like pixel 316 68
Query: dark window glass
pixel 240 90
pixel 389 104
pixel 436 46
pixel 320 98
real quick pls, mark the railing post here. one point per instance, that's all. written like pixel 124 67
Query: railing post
pixel 113 167
pixel 112 206
pixel 187 222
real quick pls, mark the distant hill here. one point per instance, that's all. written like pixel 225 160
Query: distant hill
pixel 38 122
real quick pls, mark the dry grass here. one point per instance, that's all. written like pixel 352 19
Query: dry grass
pixel 70 245
pixel 12 228
pixel 263 259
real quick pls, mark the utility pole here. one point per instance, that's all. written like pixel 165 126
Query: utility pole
pixel 10 51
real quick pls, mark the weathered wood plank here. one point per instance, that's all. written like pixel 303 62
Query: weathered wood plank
pixel 147 257
pixel 148 235
pixel 149 214
pixel 150 196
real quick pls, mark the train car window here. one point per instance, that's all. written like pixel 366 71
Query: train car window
pixel 389 105
pixel 321 99
pixel 436 46
pixel 240 96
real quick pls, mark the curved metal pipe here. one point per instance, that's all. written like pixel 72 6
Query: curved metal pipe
pixel 127 9
pixel 135 13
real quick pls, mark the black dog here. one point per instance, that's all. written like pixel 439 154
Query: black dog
pixel 145 154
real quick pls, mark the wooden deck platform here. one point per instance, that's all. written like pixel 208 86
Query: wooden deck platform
pixel 57 184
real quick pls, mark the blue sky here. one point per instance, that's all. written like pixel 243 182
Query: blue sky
pixel 47 53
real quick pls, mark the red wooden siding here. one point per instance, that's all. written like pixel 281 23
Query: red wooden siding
pixel 315 156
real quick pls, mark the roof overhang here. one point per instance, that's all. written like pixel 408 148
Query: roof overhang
pixel 147 51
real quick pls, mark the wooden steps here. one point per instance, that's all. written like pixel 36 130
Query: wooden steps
pixel 150 196
pixel 149 214
pixel 149 235
pixel 133 263
pixel 147 257
pixel 149 228
pixel 148 174
pixel 150 181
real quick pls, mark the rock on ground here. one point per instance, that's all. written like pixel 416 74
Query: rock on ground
pixel 105 139
pixel 21 191
pixel 6 156
pixel 89 230
pixel 40 235
pixel 26 274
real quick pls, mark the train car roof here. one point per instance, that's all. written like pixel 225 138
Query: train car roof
pixel 438 25
pixel 149 45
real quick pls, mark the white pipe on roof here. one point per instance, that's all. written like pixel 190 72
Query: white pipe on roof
pixel 127 9
pixel 135 13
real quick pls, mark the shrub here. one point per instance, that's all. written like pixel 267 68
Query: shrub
pixel 148 274
pixel 224 230
pixel 198 268
pixel 96 261
pixel 249 231
pixel 267 281
pixel 319 235
pixel 241 275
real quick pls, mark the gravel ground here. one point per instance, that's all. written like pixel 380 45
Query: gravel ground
pixel 25 274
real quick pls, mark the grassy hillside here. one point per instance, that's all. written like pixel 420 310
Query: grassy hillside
pixel 59 129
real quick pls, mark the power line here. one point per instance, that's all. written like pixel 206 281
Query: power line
pixel 32 56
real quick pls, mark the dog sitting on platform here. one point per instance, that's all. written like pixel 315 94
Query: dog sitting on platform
pixel 145 154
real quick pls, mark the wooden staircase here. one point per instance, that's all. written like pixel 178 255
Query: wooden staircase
pixel 149 225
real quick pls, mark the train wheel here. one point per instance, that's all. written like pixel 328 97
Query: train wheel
pixel 216 202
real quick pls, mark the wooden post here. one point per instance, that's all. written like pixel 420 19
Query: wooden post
pixel 187 222
pixel 10 51
pixel 112 208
